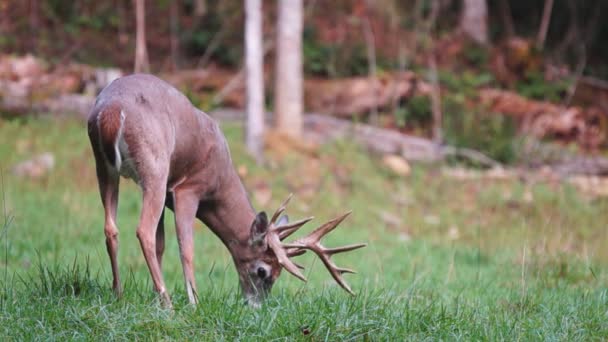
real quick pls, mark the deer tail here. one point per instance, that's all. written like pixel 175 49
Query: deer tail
pixel 110 122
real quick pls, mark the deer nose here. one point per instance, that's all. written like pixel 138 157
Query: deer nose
pixel 262 274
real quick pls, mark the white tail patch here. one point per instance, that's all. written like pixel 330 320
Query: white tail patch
pixel 118 161
pixel 124 163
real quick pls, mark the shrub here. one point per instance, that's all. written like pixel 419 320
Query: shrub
pixel 493 134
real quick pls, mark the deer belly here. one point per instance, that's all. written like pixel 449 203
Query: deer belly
pixel 127 165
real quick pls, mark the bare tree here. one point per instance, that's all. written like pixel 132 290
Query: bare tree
pixel 34 24
pixel 544 24
pixel 174 23
pixel 507 18
pixel 288 81
pixel 474 20
pixel 254 66
pixel 142 63
pixel 370 44
pixel 200 8
pixel 4 17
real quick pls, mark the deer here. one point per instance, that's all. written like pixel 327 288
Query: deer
pixel 142 128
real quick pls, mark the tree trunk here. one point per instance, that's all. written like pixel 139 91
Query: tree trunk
pixel 34 25
pixel 254 66
pixel 141 53
pixel 174 22
pixel 507 18
pixel 436 101
pixel 474 20
pixel 288 82
pixel 200 8
pixel 544 24
pixel 370 44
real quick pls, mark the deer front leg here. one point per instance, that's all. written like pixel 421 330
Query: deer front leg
pixel 152 207
pixel 185 207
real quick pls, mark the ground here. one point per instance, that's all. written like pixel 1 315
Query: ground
pixel 447 259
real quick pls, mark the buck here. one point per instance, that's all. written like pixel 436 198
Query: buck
pixel 142 128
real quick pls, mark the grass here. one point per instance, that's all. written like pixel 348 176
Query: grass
pixel 470 260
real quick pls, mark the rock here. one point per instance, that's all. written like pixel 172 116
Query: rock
pixel 432 220
pixel 36 167
pixel 242 171
pixel 595 186
pixel 26 66
pixel 397 164
pixel 67 103
pixel 105 76
pixel 453 233
pixel 404 237
pixel 390 219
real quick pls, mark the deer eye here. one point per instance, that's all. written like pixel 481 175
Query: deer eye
pixel 261 272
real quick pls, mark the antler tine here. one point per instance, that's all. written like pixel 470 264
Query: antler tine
pixel 282 255
pixel 288 229
pixel 323 230
pixel 295 252
pixel 313 242
pixel 280 210
pixel 335 271
pixel 336 250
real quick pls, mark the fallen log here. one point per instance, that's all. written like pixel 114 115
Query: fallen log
pixel 323 129
pixel 541 119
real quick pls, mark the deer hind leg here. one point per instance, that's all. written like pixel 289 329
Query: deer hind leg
pixel 108 181
pixel 110 203
pixel 160 239
pixel 152 208
pixel 185 206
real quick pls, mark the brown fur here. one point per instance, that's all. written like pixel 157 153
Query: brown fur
pixel 181 161
pixel 109 122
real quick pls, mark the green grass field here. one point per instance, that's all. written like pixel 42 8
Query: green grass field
pixel 470 260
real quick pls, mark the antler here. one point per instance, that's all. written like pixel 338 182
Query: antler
pixel 310 242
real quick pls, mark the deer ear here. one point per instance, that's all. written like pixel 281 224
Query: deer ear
pixel 259 227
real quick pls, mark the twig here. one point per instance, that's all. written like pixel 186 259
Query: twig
pixel 238 78
pixel 544 24
pixel 211 47
pixel 580 67
pixel 435 100
pixel 507 18
pixel 371 59
pixel 471 155
pixel 7 222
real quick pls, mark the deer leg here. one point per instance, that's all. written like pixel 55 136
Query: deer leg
pixel 152 208
pixel 160 239
pixel 185 207
pixel 108 189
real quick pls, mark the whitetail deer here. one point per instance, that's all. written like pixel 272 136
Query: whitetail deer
pixel 144 129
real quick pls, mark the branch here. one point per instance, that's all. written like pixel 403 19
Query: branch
pixel 471 155
pixel 544 24
pixel 371 59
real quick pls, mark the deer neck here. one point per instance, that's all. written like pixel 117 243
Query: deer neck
pixel 230 214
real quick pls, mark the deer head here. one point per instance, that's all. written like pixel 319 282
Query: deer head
pixel 267 255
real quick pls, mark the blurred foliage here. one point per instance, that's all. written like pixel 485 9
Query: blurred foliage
pixel 333 60
pixel 476 55
pixel 535 86
pixel 337 60
pixel 493 134
pixel 94 15
pixel 466 82
pixel 415 113
pixel 218 33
